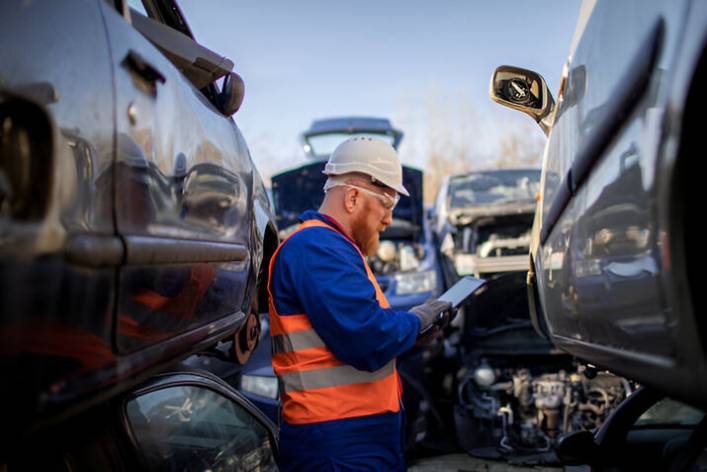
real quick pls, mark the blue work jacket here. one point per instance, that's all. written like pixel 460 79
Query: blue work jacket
pixel 320 273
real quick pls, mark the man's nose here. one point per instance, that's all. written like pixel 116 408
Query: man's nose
pixel 387 217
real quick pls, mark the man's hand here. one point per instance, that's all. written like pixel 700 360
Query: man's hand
pixel 423 339
pixel 429 312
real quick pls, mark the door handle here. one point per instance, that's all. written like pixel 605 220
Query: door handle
pixel 136 64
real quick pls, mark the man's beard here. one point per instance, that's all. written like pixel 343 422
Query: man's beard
pixel 366 239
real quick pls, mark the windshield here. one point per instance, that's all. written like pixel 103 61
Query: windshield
pixel 493 187
pixel 324 144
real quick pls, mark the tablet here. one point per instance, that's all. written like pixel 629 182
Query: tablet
pixel 462 290
pixel 457 295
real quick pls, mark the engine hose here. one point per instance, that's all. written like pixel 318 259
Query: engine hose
pixel 548 443
pixel 474 401
pixel 460 391
pixel 566 416
pixel 504 413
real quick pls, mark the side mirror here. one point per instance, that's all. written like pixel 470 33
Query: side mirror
pixel 523 90
pixel 232 94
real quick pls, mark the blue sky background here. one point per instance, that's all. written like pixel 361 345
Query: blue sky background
pixel 424 64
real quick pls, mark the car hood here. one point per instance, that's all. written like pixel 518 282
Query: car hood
pixel 468 215
pixel 300 189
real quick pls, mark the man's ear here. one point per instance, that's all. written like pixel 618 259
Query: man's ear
pixel 350 200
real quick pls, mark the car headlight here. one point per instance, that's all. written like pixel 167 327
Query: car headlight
pixel 587 268
pixel 260 385
pixel 415 282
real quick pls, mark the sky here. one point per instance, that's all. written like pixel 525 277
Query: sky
pixel 412 61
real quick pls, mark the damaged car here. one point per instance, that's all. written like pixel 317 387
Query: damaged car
pixel 181 419
pixel 613 275
pixel 483 220
pixel 515 394
pixel 134 225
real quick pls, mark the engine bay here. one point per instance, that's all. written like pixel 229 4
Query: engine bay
pixel 490 244
pixel 395 256
pixel 516 394
pixel 517 412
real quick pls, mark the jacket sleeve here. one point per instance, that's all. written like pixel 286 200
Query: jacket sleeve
pixel 334 290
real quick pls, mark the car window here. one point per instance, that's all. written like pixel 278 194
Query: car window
pixel 670 412
pixel 189 428
pixel 323 145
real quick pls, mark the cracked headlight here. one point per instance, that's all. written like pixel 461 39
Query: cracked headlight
pixel 415 282
pixel 260 385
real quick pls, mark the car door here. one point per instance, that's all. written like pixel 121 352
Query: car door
pixel 183 181
pixel 602 257
pixel 181 420
pixel 192 422
pixel 58 253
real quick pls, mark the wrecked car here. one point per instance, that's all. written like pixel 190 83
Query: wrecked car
pixel 613 259
pixel 181 419
pixel 514 393
pixel 134 226
pixel 482 221
pixel 405 265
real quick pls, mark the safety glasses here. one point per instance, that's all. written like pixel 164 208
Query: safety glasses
pixel 386 200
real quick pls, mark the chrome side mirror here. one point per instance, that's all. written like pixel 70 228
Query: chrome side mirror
pixel 523 90
pixel 232 94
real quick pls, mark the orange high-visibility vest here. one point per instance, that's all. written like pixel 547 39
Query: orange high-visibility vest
pixel 315 385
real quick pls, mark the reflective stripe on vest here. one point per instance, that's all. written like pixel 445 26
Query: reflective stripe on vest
pixel 316 386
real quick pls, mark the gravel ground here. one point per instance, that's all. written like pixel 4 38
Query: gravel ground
pixel 465 463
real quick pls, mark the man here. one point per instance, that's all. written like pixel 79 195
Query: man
pixel 335 338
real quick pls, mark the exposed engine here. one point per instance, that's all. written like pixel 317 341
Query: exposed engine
pixel 393 257
pixel 513 412
pixel 474 237
pixel 490 244
pixel 516 393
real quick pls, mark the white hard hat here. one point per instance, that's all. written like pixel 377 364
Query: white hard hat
pixel 370 156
